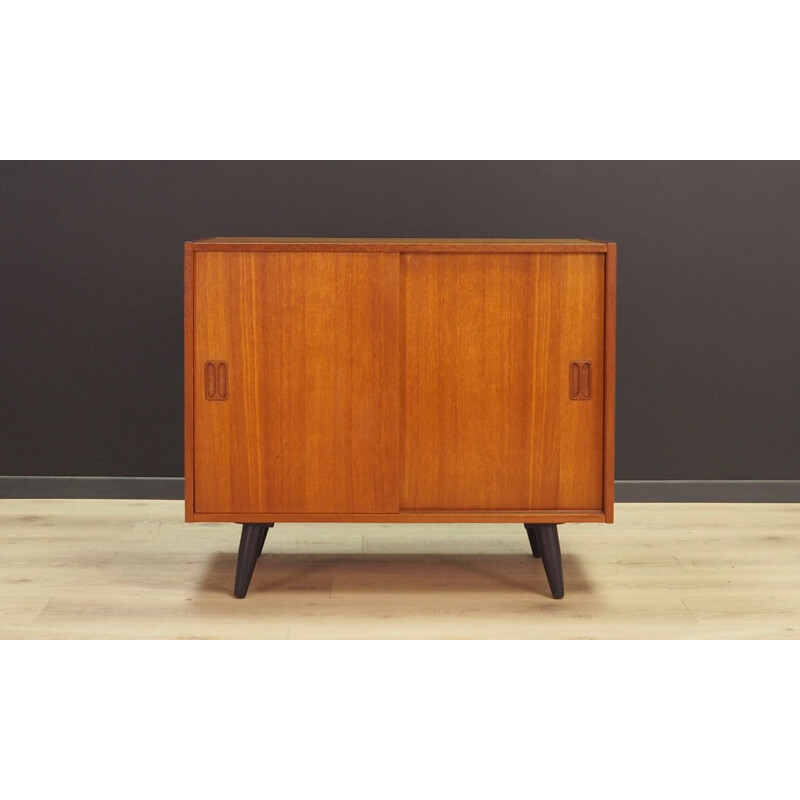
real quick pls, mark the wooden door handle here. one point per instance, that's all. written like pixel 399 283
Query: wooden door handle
pixel 580 380
pixel 216 373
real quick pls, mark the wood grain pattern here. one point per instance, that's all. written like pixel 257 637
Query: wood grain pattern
pixel 295 244
pixel 312 344
pixel 552 515
pixel 298 463
pixel 188 380
pixel 488 422
pixel 609 413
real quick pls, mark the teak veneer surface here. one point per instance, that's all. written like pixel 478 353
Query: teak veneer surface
pixel 399 380
pixel 488 419
pixel 609 379
pixel 311 341
pixel 233 243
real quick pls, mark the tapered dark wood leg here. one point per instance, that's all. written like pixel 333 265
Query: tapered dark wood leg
pixel 547 536
pixel 250 545
pixel 531 530
pixel 264 537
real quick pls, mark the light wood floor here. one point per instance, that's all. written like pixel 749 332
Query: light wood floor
pixel 132 569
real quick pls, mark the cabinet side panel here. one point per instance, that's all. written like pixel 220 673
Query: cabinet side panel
pixel 488 419
pixel 188 381
pixel 307 421
pixel 609 413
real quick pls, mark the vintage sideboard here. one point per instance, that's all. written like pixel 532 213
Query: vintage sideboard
pixel 400 380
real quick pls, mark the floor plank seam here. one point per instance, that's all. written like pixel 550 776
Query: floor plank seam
pixel 678 562
pixel 696 618
pixel 42 610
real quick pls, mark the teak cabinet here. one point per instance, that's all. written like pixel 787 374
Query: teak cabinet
pixel 400 380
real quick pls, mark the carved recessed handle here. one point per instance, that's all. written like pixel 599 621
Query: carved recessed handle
pixel 580 380
pixel 216 380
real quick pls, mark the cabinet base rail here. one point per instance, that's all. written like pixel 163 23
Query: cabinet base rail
pixel 543 541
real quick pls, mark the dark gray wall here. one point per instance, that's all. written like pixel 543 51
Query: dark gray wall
pixel 708 327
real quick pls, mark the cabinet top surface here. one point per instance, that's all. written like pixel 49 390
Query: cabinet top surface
pixel 398 245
